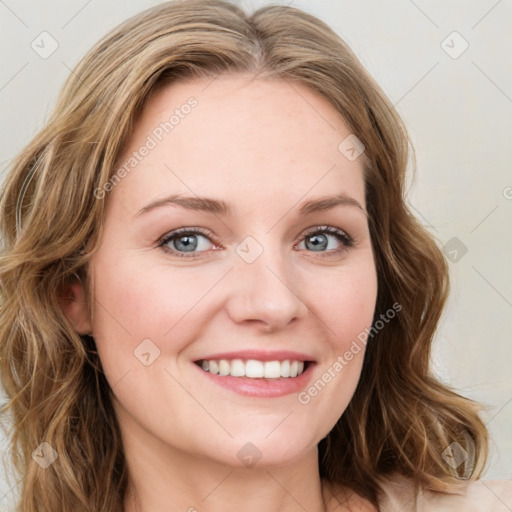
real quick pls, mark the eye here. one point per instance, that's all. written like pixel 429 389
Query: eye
pixel 190 242
pixel 317 240
pixel 184 242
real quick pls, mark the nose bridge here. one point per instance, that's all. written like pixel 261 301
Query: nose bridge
pixel 265 289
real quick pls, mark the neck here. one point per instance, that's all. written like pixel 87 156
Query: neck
pixel 231 493
pixel 164 478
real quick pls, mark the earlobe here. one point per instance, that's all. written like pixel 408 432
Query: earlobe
pixel 73 303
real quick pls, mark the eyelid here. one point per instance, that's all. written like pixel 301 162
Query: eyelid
pixel 342 236
pixel 187 230
pixel 328 229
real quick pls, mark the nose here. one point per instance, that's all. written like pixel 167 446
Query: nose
pixel 265 292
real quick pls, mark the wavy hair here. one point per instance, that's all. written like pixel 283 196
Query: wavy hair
pixel 401 418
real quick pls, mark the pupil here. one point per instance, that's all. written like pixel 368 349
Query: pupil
pixel 190 243
pixel 318 242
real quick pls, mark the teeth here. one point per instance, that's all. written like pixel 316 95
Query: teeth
pixel 272 370
pixel 254 369
pixel 224 367
pixel 237 368
pixel 293 369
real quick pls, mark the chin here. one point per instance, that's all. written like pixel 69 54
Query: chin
pixel 274 451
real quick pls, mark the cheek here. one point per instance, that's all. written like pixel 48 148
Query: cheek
pixel 346 312
pixel 345 301
pixel 137 301
pixel 129 307
pixel 136 293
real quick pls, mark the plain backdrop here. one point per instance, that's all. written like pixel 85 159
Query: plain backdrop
pixel 446 67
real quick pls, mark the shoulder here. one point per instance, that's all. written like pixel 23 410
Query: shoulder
pixel 478 496
pixel 474 496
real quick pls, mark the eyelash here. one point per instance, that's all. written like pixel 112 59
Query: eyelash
pixel 342 237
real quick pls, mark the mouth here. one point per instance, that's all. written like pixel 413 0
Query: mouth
pixel 258 378
pixel 255 369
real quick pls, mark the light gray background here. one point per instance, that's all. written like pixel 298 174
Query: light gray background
pixel 457 110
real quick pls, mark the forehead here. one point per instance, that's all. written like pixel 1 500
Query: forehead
pixel 260 140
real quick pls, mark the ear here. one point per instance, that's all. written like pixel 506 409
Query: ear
pixel 73 303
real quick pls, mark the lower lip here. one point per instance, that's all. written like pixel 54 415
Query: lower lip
pixel 264 388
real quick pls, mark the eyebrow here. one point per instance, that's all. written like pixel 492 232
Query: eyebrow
pixel 219 207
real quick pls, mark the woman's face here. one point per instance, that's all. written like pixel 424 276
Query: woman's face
pixel 253 278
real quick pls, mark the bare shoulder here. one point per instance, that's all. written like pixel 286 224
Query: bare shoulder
pixel 478 496
pixel 399 493
pixel 474 496
pixel 342 499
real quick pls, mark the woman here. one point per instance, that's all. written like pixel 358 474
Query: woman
pixel 214 296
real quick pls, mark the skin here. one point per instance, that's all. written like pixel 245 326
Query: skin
pixel 264 147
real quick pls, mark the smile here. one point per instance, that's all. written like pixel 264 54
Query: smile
pixel 256 378
pixel 254 369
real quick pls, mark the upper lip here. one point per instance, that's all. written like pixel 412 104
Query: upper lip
pixel 259 355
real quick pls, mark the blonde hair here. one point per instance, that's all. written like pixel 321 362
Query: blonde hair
pixel 401 418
